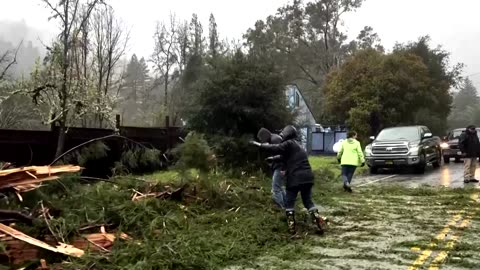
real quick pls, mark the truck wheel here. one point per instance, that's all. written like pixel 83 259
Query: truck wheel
pixel 446 159
pixel 373 170
pixel 438 160
pixel 420 169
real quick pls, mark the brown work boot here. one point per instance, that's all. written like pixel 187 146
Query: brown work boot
pixel 319 221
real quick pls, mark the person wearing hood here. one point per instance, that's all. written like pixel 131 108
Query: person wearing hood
pixel 277 165
pixel 470 147
pixel 350 156
pixel 299 176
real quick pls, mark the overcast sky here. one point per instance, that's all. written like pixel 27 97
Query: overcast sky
pixel 453 24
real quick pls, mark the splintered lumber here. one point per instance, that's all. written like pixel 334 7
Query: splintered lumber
pixel 19 251
pixel 61 248
pixel 29 178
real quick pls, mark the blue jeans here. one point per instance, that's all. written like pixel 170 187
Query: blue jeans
pixel 278 194
pixel 347 173
pixel 306 193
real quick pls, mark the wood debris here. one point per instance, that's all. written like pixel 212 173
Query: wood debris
pixel 29 178
pixel 22 248
pixel 102 241
pixel 60 248
pixel 175 194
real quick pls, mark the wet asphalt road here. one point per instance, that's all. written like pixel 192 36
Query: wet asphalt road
pixel 448 175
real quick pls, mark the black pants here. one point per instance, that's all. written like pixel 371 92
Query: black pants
pixel 306 193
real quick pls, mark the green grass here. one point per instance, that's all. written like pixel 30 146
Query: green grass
pixel 330 162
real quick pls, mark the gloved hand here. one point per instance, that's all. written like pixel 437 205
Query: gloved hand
pixel 255 143
pixel 363 164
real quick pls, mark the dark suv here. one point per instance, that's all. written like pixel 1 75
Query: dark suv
pixel 450 145
pixel 408 146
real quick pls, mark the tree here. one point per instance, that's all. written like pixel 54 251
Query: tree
pixel 197 39
pixel 467 96
pixel 394 86
pixel 164 56
pixel 367 39
pixel 214 45
pixel 138 101
pixel 233 100
pixel 239 97
pixel 7 60
pixel 305 42
pixel 465 106
pixel 443 77
pixel 72 21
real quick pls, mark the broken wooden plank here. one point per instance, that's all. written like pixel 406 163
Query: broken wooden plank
pixel 29 178
pixel 43 170
pixel 61 248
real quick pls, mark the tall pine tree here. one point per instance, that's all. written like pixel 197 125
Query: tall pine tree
pixel 213 45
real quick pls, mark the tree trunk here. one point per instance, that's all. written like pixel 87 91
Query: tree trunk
pixel 63 90
pixel 60 140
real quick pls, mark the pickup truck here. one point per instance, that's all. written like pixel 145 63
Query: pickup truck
pixel 450 145
pixel 403 147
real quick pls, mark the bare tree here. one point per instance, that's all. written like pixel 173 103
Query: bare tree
pixel 110 42
pixel 164 56
pixel 7 60
pixel 72 20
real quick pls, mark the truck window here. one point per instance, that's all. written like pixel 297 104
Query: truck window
pixel 399 133
pixel 455 134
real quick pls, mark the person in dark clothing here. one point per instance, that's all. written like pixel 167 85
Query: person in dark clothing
pixel 469 145
pixel 299 176
pixel 278 167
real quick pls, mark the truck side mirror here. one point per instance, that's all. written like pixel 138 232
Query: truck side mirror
pixel 372 138
pixel 427 135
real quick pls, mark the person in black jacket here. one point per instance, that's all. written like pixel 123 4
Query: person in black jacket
pixel 470 146
pixel 277 165
pixel 299 176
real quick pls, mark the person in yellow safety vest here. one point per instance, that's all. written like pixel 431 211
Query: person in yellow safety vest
pixel 350 156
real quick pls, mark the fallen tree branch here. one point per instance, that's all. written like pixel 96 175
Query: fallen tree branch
pixel 44 213
pixel 11 63
pixel 15 215
pixel 95 140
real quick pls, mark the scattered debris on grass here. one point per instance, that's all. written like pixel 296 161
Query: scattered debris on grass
pixel 168 193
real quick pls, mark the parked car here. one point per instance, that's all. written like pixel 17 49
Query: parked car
pixel 403 147
pixel 450 145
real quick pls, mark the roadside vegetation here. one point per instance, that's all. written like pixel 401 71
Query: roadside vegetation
pixel 216 220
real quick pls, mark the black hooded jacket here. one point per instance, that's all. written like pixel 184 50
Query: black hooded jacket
pixel 278 162
pixel 265 136
pixel 469 144
pixel 298 169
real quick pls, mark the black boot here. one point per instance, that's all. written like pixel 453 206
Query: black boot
pixel 318 221
pixel 291 222
pixel 347 188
